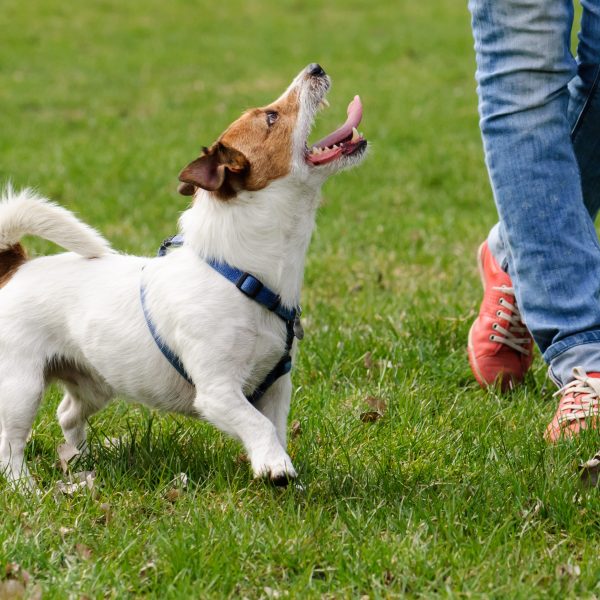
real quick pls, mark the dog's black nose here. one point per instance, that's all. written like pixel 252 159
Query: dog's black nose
pixel 315 70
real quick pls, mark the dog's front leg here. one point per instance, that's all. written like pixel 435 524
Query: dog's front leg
pixel 229 410
pixel 275 405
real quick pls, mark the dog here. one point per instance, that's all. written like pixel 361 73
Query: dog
pixel 175 332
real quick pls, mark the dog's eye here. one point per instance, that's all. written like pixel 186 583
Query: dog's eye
pixel 272 116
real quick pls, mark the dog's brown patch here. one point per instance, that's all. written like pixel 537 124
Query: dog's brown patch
pixel 10 260
pixel 253 151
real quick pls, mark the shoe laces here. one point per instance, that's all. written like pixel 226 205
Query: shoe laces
pixel 581 397
pixel 516 335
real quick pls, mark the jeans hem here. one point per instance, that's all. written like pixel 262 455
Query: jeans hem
pixel 579 339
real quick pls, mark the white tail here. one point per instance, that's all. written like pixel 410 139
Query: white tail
pixel 26 213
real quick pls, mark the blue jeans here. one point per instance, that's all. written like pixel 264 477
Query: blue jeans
pixel 540 123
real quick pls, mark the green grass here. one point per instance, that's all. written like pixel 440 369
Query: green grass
pixel 453 492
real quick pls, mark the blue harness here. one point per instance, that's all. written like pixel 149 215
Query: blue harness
pixel 254 289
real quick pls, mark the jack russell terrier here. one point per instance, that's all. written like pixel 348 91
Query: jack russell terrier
pixel 205 330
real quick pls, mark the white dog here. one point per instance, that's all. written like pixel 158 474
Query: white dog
pixel 183 332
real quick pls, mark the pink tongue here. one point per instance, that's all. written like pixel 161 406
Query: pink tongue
pixel 355 111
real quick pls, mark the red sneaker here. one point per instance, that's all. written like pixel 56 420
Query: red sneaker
pixel 578 408
pixel 500 345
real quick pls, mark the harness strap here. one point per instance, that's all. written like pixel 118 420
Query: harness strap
pixel 162 346
pixel 283 367
pixel 244 281
pixel 254 289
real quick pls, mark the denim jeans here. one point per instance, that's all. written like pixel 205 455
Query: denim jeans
pixel 540 123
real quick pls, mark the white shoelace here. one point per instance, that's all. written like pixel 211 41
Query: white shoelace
pixel 586 397
pixel 513 336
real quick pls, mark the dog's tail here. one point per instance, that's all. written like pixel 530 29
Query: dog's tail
pixel 26 213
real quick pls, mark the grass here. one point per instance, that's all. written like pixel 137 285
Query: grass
pixel 453 493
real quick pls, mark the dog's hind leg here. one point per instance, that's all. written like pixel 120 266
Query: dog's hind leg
pixel 80 402
pixel 21 389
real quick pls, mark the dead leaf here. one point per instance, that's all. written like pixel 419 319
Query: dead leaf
pixel 106 513
pixel 15 581
pixel 295 428
pixel 242 458
pixel 568 570
pixel 377 404
pixel 370 417
pixel 590 471
pixel 368 360
pixel 64 531
pixel 86 477
pixel 14 570
pixel 147 569
pixel 69 489
pixel 173 494
pixel 84 551
pixel 66 453
pixel 11 589
pixel 79 481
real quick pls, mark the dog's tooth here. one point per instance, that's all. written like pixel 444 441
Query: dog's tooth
pixel 325 102
pixel 355 135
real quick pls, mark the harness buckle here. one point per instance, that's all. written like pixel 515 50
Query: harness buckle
pixel 249 285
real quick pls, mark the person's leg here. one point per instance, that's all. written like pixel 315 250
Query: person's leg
pixel 584 120
pixel 552 251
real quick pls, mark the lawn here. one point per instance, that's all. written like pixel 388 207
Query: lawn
pixel 452 492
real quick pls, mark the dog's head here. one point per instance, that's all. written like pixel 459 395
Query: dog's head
pixel 270 143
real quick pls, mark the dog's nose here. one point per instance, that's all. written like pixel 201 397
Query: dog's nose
pixel 315 70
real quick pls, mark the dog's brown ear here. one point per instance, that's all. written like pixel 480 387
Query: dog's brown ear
pixel 210 171
pixel 186 189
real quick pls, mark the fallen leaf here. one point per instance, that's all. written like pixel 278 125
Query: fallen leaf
pixel 368 360
pixel 567 570
pixel 64 531
pixel 370 417
pixel 84 551
pixel 295 428
pixel 172 495
pixel 66 453
pixel 79 481
pixel 242 458
pixel 86 477
pixel 69 489
pixel 590 471
pixel 106 513
pixel 11 589
pixel 14 570
pixel 147 568
pixel 377 404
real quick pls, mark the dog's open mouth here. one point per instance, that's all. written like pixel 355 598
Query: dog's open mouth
pixel 344 141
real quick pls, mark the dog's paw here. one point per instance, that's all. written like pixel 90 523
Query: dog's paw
pixel 279 470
